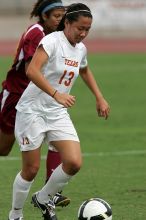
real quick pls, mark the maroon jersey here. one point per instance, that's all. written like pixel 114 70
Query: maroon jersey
pixel 16 80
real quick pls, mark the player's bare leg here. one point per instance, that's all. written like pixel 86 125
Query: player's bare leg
pixel 71 162
pixel 70 153
pixel 6 143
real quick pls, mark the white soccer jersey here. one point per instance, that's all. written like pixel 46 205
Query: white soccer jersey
pixel 61 70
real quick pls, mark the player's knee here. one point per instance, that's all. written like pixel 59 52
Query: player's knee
pixel 30 172
pixel 6 144
pixel 73 166
pixel 76 167
pixel 4 152
pixel 34 170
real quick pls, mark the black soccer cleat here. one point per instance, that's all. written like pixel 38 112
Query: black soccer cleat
pixel 60 200
pixel 47 209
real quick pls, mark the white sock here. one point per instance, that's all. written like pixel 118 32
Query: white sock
pixel 21 189
pixel 56 183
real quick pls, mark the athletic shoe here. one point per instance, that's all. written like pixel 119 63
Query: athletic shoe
pixel 46 209
pixel 20 218
pixel 60 200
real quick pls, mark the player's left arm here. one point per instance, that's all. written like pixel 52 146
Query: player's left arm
pixel 102 106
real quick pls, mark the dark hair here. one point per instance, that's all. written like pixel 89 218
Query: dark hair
pixel 73 12
pixel 39 7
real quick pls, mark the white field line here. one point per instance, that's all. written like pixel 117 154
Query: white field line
pixel 95 154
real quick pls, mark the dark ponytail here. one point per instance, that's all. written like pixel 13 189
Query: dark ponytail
pixel 73 12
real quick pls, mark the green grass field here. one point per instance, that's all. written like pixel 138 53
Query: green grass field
pixel 114 151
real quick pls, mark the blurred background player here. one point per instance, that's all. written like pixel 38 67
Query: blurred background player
pixel 49 14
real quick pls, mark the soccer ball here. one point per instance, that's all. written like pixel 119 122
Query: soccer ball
pixel 95 209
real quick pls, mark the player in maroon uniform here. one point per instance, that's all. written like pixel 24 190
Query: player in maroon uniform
pixel 49 14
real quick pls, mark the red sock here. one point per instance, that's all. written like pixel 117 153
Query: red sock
pixel 53 160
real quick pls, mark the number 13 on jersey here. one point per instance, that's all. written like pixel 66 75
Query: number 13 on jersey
pixel 65 81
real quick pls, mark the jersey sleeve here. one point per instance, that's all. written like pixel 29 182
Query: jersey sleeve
pixel 48 43
pixel 31 42
pixel 84 61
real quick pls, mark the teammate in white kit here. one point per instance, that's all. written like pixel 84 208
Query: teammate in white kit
pixel 42 109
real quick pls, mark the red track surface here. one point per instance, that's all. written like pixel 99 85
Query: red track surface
pixel 117 45
pixel 94 46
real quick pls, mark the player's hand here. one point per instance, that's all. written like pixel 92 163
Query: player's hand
pixel 103 108
pixel 65 99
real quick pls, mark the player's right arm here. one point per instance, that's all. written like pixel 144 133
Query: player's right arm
pixel 34 73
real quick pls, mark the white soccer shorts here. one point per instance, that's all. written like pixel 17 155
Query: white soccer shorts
pixel 31 130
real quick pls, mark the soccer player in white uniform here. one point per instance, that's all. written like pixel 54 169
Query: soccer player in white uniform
pixel 48 14
pixel 42 110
